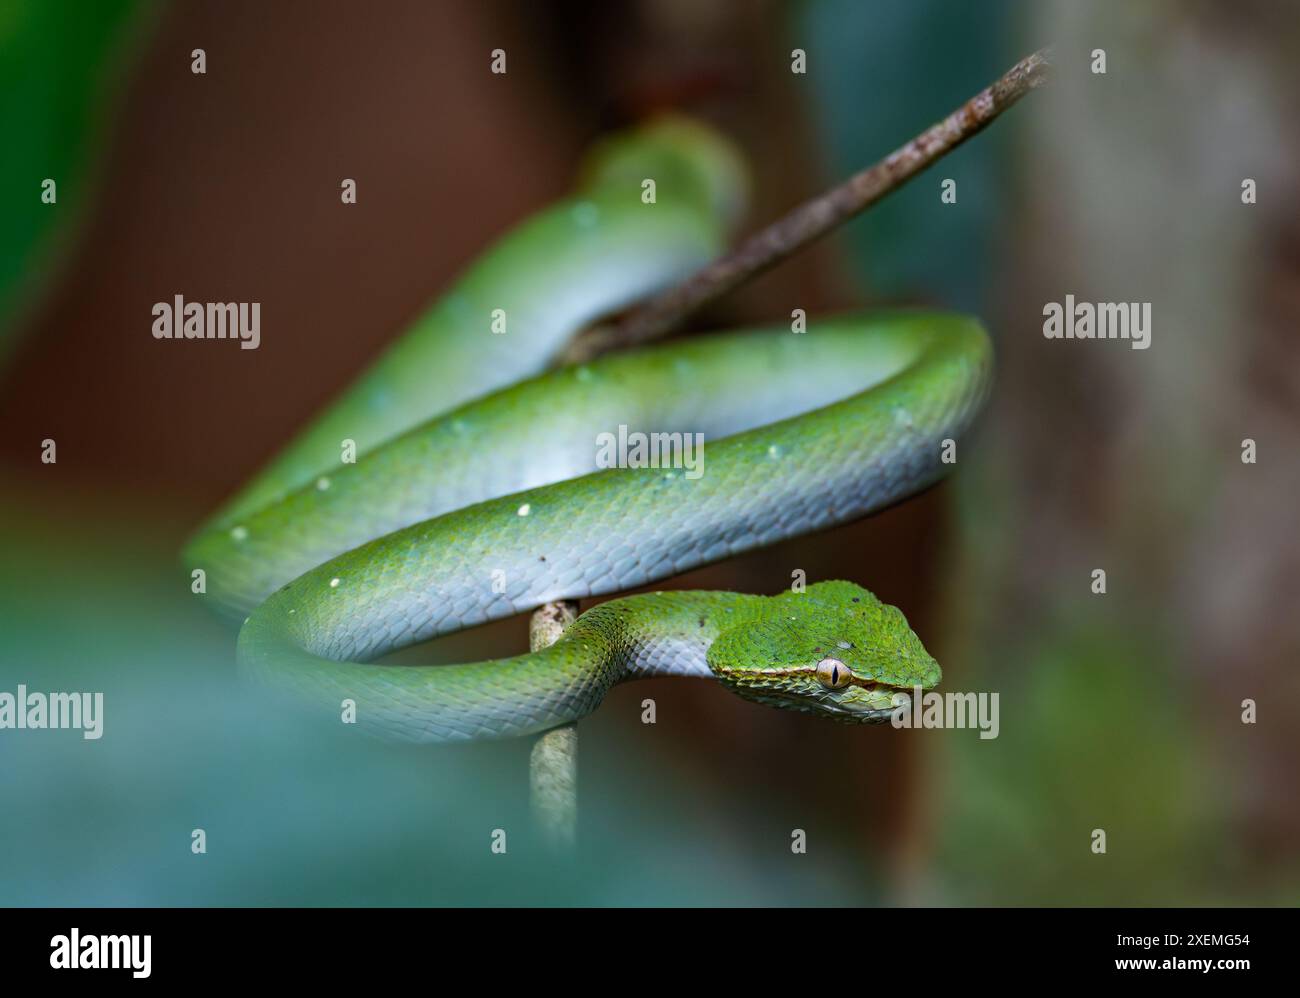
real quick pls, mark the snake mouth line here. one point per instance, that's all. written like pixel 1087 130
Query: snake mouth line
pixel 845 710
pixel 875 686
pixel 866 685
pixel 870 685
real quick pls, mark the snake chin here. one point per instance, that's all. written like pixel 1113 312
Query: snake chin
pixel 879 707
pixel 876 707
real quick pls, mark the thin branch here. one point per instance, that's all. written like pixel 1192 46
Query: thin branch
pixel 815 218
pixel 553 763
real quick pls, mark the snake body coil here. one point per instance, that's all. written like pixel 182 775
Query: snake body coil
pixel 476 494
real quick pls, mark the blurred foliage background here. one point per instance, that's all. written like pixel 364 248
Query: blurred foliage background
pixel 1120 712
pixel 58 65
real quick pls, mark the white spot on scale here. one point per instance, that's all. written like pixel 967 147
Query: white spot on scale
pixel 524 510
pixel 322 483
pixel 334 583
pixel 239 533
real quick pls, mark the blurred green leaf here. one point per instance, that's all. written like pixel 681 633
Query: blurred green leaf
pixel 56 72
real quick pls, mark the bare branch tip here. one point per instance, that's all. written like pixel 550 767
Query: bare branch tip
pixel 1039 66
pixel 816 217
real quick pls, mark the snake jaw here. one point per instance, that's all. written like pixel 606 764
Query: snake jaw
pixel 861 698
pixel 870 704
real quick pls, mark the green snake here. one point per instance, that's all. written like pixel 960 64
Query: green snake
pixel 476 492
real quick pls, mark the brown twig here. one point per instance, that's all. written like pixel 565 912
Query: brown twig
pixel 814 218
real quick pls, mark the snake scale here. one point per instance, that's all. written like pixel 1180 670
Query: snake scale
pixel 476 492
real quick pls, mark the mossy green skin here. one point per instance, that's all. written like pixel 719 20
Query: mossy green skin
pixel 834 649
pixel 477 495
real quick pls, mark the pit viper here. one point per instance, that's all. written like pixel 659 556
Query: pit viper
pixel 457 481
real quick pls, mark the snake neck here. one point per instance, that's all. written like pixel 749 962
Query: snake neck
pixel 659 634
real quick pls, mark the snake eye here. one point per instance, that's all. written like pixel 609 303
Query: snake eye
pixel 833 673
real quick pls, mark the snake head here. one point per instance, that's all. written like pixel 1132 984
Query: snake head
pixel 833 649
